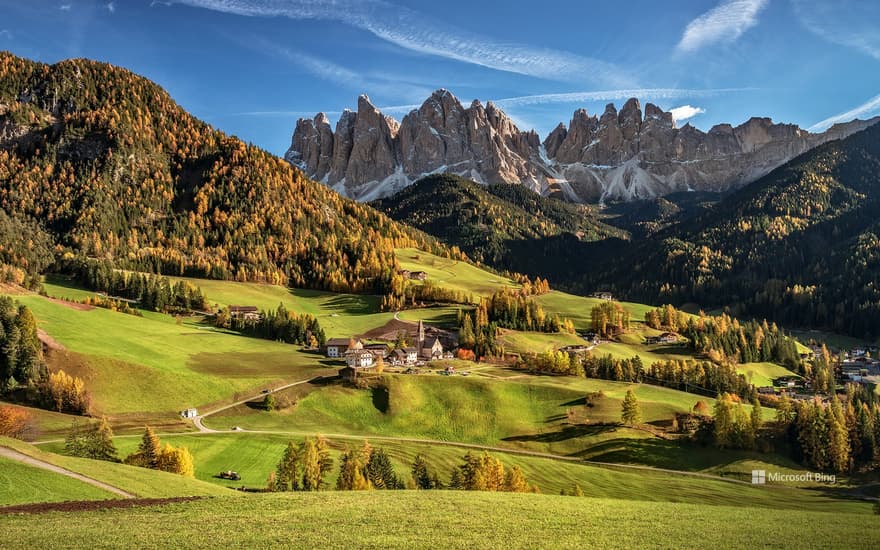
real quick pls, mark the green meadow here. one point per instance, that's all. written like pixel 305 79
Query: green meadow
pixel 763 374
pixel 453 274
pixel 153 364
pixel 442 519
pixel 138 481
pixel 22 484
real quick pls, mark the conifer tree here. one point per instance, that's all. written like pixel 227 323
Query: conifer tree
pixel 631 413
pixel 420 474
pixel 150 448
pixel 287 476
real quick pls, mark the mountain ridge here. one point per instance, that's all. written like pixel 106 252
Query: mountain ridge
pixel 620 155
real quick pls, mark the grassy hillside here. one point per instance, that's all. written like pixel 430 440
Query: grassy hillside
pixel 155 365
pixel 763 374
pixel 253 456
pixel 521 411
pixel 22 484
pixel 453 274
pixel 439 520
pixel 138 481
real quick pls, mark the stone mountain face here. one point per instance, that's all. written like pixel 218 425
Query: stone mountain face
pixel 623 155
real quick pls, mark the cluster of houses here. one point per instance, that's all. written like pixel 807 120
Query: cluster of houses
pixel 359 355
pixel 858 364
pixel 603 295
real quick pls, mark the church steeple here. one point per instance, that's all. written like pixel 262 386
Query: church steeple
pixel 421 335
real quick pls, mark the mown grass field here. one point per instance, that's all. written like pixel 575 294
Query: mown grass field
pixel 138 481
pixel 254 456
pixel 445 519
pixel 152 364
pixel 22 484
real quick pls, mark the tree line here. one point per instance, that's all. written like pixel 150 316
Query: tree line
pixel 152 292
pixel 304 466
pixel 280 325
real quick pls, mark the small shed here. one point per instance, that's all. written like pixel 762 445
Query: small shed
pixel 348 374
pixel 189 413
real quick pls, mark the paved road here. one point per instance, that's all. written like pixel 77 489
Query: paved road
pixel 11 454
pixel 197 421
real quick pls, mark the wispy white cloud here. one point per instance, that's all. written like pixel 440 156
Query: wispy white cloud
pixel 867 109
pixel 385 85
pixel 413 31
pixel 725 22
pixel 614 95
pixel 6 33
pixel 64 7
pixel 855 24
pixel 111 7
pixel 685 112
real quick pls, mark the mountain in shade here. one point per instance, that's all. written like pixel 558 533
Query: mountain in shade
pixel 618 155
pixel 487 221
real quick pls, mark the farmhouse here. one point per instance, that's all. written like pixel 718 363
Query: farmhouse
pixel 603 295
pixel 337 347
pixel 403 356
pixel 359 359
pixel 189 413
pixel 665 338
pixel 379 351
pixel 414 275
pixel 248 313
pixel 576 350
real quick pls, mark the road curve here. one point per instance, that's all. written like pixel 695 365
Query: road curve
pixel 12 454
pixel 197 421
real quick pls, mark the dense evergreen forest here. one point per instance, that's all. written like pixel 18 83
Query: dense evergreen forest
pixel 486 221
pixel 98 162
pixel 800 246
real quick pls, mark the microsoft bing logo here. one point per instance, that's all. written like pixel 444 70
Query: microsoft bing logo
pixel 759 477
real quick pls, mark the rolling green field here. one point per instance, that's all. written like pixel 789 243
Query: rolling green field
pixel 519 412
pixel 254 456
pixel 578 308
pixel 453 274
pixel 138 481
pixel 763 374
pixel 22 484
pixel 537 342
pixel 445 519
pixel 155 365
pixel 340 315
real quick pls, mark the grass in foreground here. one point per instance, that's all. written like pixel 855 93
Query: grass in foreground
pixel 139 481
pixel 23 484
pixel 436 520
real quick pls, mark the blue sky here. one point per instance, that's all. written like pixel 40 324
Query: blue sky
pixel 252 67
